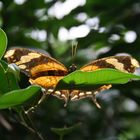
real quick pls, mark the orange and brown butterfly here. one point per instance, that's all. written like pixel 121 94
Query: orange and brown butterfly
pixel 46 71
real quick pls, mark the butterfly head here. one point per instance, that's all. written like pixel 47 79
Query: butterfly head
pixel 72 68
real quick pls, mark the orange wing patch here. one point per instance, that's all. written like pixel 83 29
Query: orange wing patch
pixel 46 81
pixel 90 68
pixel 50 66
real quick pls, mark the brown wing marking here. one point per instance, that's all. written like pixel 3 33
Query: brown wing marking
pixel 32 62
pixel 122 63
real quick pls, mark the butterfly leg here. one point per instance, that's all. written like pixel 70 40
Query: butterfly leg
pixel 95 100
pixel 43 97
pixel 102 88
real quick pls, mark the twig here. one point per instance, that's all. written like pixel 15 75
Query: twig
pixel 31 128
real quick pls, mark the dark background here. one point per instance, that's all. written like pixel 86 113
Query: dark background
pixel 112 27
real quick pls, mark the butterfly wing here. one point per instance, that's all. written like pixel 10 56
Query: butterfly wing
pixel 122 63
pixel 46 71
pixel 42 69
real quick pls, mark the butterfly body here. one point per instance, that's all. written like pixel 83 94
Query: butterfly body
pixel 46 71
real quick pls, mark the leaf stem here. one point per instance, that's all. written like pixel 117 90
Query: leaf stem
pixel 30 126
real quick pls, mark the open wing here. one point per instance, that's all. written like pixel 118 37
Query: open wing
pixel 40 68
pixel 122 63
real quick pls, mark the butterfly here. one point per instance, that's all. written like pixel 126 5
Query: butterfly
pixel 46 71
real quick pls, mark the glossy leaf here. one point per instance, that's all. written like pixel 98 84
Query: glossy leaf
pixel 3 80
pixel 4 64
pixel 12 81
pixel 18 97
pixel 88 80
pixel 14 69
pixel 3 42
pixel 9 78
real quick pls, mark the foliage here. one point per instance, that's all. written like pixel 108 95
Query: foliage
pixel 82 80
pixel 3 42
pixel 11 95
pixel 118 118
pixel 17 97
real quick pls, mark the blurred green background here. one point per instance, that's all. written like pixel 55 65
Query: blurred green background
pixel 102 28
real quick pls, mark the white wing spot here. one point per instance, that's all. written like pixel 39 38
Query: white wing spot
pixel 58 92
pixel 28 58
pixel 117 64
pixel 81 94
pixel 50 90
pixel 34 55
pixel 22 66
pixel 96 92
pixel 88 93
pixel 135 63
pixel 9 53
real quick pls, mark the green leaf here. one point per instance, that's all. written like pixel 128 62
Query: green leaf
pixel 3 80
pixel 88 80
pixel 14 69
pixel 8 77
pixel 66 130
pixel 18 97
pixel 4 64
pixel 12 81
pixel 3 42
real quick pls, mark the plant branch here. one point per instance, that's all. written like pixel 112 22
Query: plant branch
pixel 30 126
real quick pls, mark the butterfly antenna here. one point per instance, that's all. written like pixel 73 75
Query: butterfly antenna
pixel 74 49
pixel 73 67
